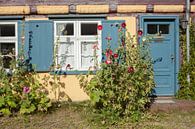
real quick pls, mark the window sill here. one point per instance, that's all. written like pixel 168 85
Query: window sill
pixel 75 72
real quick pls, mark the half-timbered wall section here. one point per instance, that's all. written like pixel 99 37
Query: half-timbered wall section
pixel 73 23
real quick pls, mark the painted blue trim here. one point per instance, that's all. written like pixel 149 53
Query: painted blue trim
pixel 11 17
pixel 177 50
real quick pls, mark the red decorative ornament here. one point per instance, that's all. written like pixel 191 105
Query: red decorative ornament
pixel 130 69
pixel 123 25
pixel 99 27
pixel 140 32
pixel 115 55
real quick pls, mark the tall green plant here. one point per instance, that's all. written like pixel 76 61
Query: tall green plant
pixel 21 91
pixel 187 90
pixel 122 86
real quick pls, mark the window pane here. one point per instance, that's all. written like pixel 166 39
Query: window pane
pixel 152 29
pixel 88 28
pixel 87 53
pixel 7 48
pixel 164 29
pixel 7 30
pixel 66 62
pixel 87 48
pixel 65 29
pixel 66 54
pixel 87 61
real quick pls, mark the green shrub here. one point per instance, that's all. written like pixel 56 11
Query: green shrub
pixel 187 91
pixel 20 89
pixel 121 87
pixel 22 92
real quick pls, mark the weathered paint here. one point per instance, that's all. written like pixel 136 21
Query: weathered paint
pixel 131 8
pixel 14 10
pixel 130 22
pixel 72 88
pixel 58 9
pixel 168 8
pixel 92 9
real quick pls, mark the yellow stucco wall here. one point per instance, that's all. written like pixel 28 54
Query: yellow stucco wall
pixel 58 9
pixel 131 8
pixel 92 9
pixel 193 8
pixel 14 10
pixel 168 8
pixel 72 88
pixel 130 22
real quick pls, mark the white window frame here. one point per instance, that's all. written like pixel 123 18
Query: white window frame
pixel 11 39
pixel 77 38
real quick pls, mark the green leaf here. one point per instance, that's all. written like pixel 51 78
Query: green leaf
pixel 6 111
pixel 2 101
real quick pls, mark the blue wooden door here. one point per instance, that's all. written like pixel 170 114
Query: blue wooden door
pixel 162 49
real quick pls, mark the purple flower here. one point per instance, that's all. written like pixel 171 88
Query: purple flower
pixel 26 90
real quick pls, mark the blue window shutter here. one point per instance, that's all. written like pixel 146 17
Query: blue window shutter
pixel 110 29
pixel 39 44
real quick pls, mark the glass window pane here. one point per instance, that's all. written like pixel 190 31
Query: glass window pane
pixel 164 29
pixel 87 61
pixel 88 28
pixel 65 29
pixel 66 48
pixel 152 29
pixel 87 48
pixel 7 30
pixel 66 55
pixel 66 62
pixel 7 48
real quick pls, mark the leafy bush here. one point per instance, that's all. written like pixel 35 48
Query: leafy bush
pixel 20 89
pixel 22 92
pixel 187 91
pixel 122 86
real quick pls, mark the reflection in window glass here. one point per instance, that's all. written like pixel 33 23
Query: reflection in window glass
pixel 152 29
pixel 88 28
pixel 7 48
pixel 164 29
pixel 7 53
pixel 7 30
pixel 65 29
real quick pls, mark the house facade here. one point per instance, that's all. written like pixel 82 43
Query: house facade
pixel 73 26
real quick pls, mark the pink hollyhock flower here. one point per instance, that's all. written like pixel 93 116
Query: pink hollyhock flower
pixel 108 61
pixel 130 69
pixel 95 47
pixel 123 25
pixel 108 38
pixel 26 90
pixel 108 53
pixel 140 32
pixel 99 27
pixel 115 55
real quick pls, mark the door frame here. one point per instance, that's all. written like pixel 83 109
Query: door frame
pixel 174 18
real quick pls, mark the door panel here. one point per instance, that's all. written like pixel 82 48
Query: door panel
pixel 163 53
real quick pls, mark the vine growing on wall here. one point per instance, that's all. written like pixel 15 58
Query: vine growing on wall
pixel 187 90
